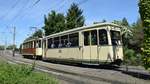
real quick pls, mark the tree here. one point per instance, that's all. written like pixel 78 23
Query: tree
pixel 2 47
pixel 124 22
pixel 104 21
pixel 74 17
pixel 38 34
pixel 54 22
pixel 126 31
pixel 138 36
pixel 144 9
pixel 10 47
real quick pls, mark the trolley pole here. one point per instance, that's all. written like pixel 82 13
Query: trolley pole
pixel 14 35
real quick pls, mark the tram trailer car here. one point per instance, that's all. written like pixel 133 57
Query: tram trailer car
pixel 32 48
pixel 98 44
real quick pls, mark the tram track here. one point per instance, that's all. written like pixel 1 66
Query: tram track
pixel 71 77
pixel 61 73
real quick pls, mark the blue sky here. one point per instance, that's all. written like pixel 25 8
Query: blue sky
pixel 24 14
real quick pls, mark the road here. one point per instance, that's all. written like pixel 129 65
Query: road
pixel 85 74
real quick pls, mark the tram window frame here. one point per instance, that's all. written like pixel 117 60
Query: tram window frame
pixel 73 40
pixel 93 38
pixel 104 32
pixel 86 38
pixel 64 41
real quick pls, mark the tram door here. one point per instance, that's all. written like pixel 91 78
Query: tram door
pixel 90 46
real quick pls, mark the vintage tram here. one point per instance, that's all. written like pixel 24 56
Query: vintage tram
pixel 32 48
pixel 98 43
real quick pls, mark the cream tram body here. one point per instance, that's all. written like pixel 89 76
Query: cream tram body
pixel 98 43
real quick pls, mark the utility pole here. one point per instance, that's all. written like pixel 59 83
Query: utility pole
pixel 14 35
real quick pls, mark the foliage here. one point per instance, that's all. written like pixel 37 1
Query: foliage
pixel 132 36
pixel 57 22
pixel 74 17
pixel 136 42
pixel 2 47
pixel 144 9
pixel 54 22
pixel 130 57
pixel 125 22
pixel 126 31
pixel 38 34
pixel 10 47
pixel 22 74
pixel 104 21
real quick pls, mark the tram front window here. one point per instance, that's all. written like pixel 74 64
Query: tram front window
pixel 103 39
pixel 115 37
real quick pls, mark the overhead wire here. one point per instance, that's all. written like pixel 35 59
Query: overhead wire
pixel 61 6
pixel 82 2
pixel 26 9
pixel 56 7
pixel 20 11
pixel 36 2
pixel 9 11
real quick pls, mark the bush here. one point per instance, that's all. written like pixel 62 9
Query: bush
pixel 131 58
pixel 23 74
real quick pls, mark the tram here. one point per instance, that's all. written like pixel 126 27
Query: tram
pixel 98 43
pixel 32 48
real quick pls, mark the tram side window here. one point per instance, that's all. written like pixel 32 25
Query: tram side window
pixel 24 46
pixel 49 43
pixel 29 45
pixel 34 44
pixel 73 40
pixel 86 38
pixel 39 43
pixel 64 41
pixel 103 39
pixel 56 42
pixel 94 37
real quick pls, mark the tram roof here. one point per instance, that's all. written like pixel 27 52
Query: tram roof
pixel 32 40
pixel 84 27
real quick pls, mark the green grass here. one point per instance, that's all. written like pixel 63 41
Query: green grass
pixel 23 74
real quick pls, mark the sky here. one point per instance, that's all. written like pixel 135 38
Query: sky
pixel 24 14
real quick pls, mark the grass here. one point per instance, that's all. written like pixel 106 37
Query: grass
pixel 23 74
